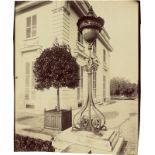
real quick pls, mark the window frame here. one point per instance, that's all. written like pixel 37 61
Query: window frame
pixel 80 38
pixel 104 87
pixel 31 26
pixel 104 55
pixel 94 76
pixel 94 48
pixel 29 84
pixel 80 87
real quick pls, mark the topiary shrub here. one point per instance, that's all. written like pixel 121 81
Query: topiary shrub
pixel 56 67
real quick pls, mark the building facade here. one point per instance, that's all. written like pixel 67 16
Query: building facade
pixel 37 25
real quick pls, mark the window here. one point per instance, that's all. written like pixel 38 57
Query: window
pixel 78 93
pixel 80 88
pixel 94 84
pixel 104 55
pixel 31 26
pixel 104 87
pixel 81 81
pixel 80 37
pixel 27 80
pixel 29 84
pixel 94 48
pixel 33 82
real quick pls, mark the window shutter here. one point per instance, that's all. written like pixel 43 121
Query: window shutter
pixel 81 77
pixel 28 27
pixel 28 22
pixel 81 81
pixel 34 25
pixel 27 79
pixel 94 84
pixel 31 26
pixel 104 86
pixel 104 55
pixel 33 82
pixel 94 48
pixel 78 88
pixel 34 20
pixel 80 37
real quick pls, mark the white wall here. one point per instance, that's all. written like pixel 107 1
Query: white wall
pixel 52 21
pixel 23 47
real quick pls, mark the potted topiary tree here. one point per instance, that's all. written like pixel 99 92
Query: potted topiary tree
pixel 56 67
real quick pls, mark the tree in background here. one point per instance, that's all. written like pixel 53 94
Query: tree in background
pixel 121 86
pixel 56 67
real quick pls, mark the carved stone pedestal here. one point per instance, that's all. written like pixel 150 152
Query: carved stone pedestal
pixel 107 142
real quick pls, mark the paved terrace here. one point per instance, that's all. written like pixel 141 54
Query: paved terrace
pixel 120 114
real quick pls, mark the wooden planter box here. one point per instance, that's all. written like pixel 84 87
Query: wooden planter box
pixel 57 120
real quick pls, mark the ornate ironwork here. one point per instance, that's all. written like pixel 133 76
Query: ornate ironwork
pixel 89 117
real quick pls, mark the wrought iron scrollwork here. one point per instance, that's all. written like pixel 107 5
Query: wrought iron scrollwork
pixel 96 123
pixel 84 120
pixel 89 117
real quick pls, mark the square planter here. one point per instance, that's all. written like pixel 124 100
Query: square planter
pixel 57 120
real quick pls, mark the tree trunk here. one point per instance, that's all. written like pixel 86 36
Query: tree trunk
pixel 58 100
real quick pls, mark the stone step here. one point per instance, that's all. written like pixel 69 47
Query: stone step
pixel 118 146
pixel 111 138
pixel 76 148
pixel 86 139
pixel 115 140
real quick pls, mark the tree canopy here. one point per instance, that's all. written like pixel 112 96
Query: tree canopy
pixel 56 67
pixel 120 86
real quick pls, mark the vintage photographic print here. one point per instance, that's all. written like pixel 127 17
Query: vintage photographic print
pixel 76 72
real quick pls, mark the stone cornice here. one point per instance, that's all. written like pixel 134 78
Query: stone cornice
pixel 105 42
pixel 63 8
pixel 77 8
pixel 31 48
pixel 29 4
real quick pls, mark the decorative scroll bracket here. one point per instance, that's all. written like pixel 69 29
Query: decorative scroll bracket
pixel 89 117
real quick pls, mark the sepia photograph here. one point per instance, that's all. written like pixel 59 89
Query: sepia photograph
pixel 77 76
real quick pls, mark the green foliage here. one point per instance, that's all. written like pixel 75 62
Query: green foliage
pixel 25 143
pixel 120 86
pixel 56 67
